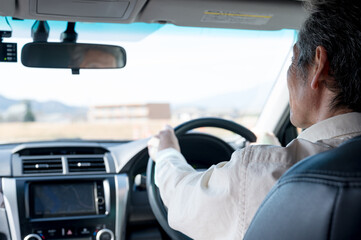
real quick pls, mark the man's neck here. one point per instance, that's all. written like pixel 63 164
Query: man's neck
pixel 323 115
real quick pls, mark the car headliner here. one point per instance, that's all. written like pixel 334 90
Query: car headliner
pixel 251 14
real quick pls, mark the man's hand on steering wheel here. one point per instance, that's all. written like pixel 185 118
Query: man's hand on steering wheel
pixel 164 139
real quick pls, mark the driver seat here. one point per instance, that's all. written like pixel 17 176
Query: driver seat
pixel 318 198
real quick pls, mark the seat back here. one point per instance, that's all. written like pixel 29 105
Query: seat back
pixel 318 198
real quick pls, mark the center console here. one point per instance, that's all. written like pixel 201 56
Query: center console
pixel 72 207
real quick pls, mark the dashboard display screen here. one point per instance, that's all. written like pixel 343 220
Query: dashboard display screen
pixel 62 199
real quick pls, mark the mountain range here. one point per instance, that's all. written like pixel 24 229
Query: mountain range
pixel 248 101
pixel 46 107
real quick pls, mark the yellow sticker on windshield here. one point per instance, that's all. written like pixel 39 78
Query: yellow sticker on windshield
pixel 235 17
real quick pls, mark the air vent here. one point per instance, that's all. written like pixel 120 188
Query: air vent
pixel 89 164
pixel 44 165
pixel 50 151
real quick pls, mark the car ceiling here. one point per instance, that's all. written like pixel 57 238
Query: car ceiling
pixel 236 14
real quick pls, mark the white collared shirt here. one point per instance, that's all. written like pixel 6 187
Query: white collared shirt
pixel 221 202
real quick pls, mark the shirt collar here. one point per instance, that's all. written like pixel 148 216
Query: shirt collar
pixel 337 126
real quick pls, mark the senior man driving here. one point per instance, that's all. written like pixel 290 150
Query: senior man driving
pixel 324 82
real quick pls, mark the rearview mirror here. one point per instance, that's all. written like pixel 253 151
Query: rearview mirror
pixel 72 55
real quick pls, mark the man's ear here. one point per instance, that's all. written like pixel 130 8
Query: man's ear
pixel 320 67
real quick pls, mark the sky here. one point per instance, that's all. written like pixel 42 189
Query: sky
pixel 164 64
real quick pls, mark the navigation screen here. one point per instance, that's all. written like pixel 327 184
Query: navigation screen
pixel 62 199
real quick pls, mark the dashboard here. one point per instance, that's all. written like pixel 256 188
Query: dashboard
pixel 64 190
pixel 86 190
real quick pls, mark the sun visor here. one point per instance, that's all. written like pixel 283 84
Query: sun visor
pixel 111 9
pixel 7 7
pixel 85 10
pixel 236 14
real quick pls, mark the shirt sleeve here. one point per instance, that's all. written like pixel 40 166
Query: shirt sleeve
pixel 219 203
pixel 202 205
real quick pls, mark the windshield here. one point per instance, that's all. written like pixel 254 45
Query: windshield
pixel 173 74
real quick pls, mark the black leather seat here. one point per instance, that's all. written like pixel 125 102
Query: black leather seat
pixel 318 198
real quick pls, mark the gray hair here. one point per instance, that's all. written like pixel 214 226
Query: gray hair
pixel 335 25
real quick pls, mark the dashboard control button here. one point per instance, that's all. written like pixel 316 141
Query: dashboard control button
pixel 101 209
pixel 105 234
pixel 67 232
pixel 53 232
pixel 100 200
pixel 33 237
pixel 84 231
pixel 38 231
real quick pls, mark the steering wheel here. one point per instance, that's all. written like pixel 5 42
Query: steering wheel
pixel 155 200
